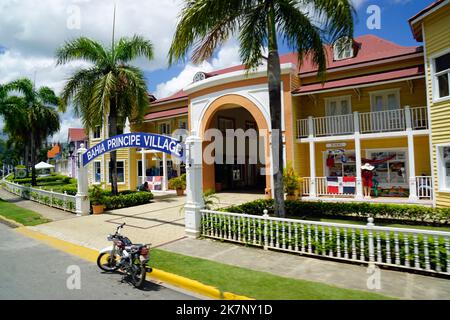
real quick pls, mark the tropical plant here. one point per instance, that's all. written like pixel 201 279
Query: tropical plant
pixel 210 199
pixel 96 195
pixel 301 24
pixel 178 182
pixel 32 116
pixel 291 181
pixel 110 89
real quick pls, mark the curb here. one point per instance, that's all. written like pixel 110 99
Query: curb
pixel 170 278
pixel 10 223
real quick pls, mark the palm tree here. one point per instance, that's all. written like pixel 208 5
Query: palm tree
pixel 33 116
pixel 207 24
pixel 111 88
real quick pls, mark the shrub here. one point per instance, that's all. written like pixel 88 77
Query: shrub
pixel 96 196
pixel 71 189
pixel 291 181
pixel 360 211
pixel 178 182
pixel 127 199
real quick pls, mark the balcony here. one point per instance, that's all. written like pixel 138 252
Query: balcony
pixel 364 123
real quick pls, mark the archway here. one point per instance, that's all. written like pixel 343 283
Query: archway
pixel 237 112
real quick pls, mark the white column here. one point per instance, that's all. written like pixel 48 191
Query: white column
pixel 143 166
pixel 411 158
pixel 82 197
pixel 165 180
pixel 359 187
pixel 194 186
pixel 312 159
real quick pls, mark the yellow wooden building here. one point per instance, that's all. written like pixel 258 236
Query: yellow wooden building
pixel 381 103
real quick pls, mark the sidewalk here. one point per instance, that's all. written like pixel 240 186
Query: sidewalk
pixel 402 285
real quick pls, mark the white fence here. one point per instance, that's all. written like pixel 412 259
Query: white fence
pixel 424 187
pixel 369 122
pixel 61 201
pixel 417 249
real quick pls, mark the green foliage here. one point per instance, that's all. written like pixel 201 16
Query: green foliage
pixel 357 210
pixel 71 189
pixel 178 182
pixel 96 195
pixel 43 180
pixel 291 181
pixel 210 199
pixel 127 199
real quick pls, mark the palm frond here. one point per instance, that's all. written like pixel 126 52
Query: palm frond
pixel 129 49
pixel 301 34
pixel 82 49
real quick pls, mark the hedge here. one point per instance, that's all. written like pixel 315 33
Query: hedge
pixel 52 178
pixel 127 199
pixel 356 210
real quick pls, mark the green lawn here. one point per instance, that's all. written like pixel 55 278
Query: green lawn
pixel 21 215
pixel 250 283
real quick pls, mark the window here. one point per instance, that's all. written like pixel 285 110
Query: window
pixel 340 163
pixel 97 172
pixel 390 167
pixel 343 49
pixel 97 132
pixel 444 168
pixel 120 171
pixel 441 76
pixel 182 124
pixel 225 124
pixel 338 106
pixel 164 128
pixel 385 100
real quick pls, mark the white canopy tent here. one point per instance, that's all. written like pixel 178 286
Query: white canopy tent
pixel 43 165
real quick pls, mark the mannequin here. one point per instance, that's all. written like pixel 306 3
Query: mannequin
pixel 367 179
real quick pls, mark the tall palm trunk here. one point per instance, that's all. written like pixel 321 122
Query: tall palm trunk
pixel 27 158
pixel 274 77
pixel 33 161
pixel 112 121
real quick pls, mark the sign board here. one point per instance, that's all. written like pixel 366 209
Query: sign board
pixel 150 141
pixel 336 145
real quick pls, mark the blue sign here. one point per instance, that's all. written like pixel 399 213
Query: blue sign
pixel 150 141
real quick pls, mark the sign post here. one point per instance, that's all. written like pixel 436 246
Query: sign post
pixel 194 186
pixel 82 197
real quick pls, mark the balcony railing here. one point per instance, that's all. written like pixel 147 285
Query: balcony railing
pixel 424 188
pixel 367 122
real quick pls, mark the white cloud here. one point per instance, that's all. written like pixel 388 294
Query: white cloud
pixel 31 31
pixel 67 121
pixel 227 56
pixel 358 3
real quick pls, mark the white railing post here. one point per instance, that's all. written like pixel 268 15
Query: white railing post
pixel 194 186
pixel 359 187
pixel 411 157
pixel 82 197
pixel 371 247
pixel 266 237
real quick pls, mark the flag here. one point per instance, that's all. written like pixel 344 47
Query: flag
pixel 332 185
pixel 348 185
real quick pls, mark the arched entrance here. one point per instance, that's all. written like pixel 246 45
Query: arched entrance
pixel 243 174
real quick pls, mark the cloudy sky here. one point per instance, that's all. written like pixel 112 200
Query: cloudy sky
pixel 31 31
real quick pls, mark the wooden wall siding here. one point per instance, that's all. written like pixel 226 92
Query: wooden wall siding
pixel 437 39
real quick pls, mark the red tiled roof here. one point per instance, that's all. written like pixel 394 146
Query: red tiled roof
pixel 368 48
pixel 417 31
pixel 76 134
pixel 366 79
pixel 166 113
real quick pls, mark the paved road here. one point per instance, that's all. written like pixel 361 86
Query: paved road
pixel 32 270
